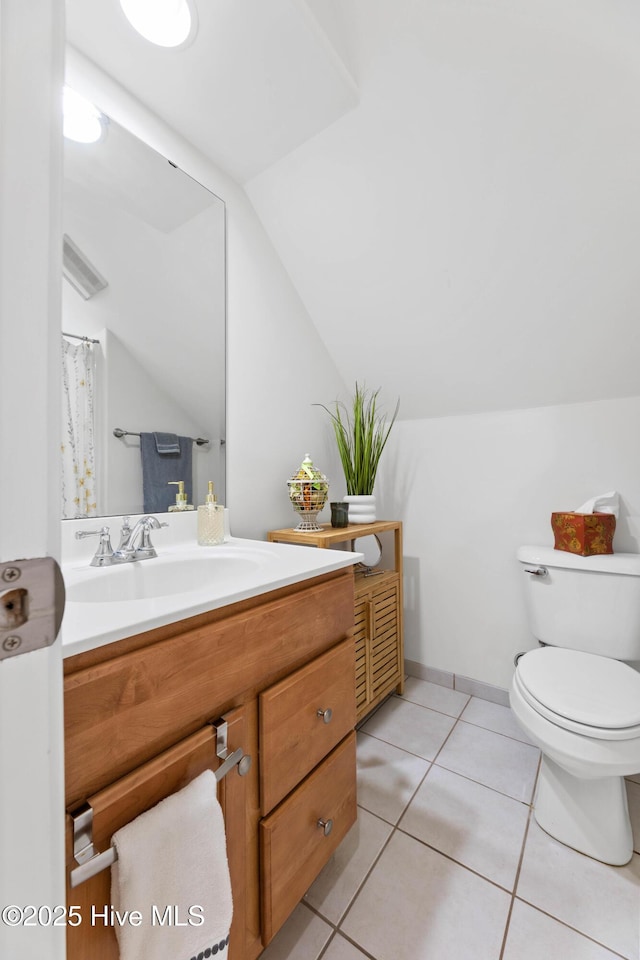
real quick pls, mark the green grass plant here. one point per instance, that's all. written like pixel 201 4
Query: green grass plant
pixel 361 434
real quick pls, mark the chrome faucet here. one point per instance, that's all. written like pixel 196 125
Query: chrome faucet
pixel 127 552
pixel 145 551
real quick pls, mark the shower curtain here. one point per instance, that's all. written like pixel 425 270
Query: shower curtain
pixel 78 427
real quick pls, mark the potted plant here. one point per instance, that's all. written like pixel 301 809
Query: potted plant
pixel 361 434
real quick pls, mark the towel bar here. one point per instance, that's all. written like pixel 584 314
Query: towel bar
pixel 90 862
pixel 118 432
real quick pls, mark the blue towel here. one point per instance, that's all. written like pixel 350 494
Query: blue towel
pixel 158 469
pixel 167 442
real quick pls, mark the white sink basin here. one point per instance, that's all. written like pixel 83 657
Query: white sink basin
pixel 159 577
pixel 104 604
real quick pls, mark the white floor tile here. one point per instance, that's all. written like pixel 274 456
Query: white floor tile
pixel 435 889
pixel 411 727
pixel 492 759
pixel 387 777
pixel 435 696
pixel 302 937
pixel 473 824
pixel 337 884
pixel 533 935
pixel 418 905
pixel 600 901
pixel 492 716
pixel 341 949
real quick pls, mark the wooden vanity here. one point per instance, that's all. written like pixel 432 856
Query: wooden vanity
pixel 280 669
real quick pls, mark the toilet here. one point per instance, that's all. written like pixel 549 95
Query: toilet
pixel 577 697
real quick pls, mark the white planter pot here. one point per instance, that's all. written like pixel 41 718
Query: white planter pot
pixel 362 509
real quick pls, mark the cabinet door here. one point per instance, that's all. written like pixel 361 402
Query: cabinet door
pixel 297 839
pixel 385 666
pixel 362 632
pixel 302 718
pixel 140 790
pixel 379 660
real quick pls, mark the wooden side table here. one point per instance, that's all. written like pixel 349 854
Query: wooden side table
pixel 378 621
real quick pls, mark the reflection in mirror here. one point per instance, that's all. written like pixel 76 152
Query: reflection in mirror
pixel 143 319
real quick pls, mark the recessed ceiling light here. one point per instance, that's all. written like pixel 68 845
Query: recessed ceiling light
pixel 81 120
pixel 168 23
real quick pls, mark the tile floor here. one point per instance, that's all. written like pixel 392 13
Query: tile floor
pixel 446 862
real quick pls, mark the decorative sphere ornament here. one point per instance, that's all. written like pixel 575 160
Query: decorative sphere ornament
pixel 308 492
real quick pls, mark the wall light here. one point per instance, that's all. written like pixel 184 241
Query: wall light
pixel 168 23
pixel 81 120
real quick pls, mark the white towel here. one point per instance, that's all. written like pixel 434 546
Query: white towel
pixel 172 866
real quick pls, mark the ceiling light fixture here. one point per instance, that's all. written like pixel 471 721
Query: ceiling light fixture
pixel 81 120
pixel 167 23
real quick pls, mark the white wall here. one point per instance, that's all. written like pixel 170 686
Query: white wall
pixel 470 490
pixel 277 365
pixel 465 237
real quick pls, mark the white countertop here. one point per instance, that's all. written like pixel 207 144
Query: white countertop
pixel 240 569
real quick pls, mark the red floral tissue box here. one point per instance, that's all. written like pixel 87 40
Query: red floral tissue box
pixel 583 533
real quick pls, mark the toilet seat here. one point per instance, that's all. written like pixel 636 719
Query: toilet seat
pixel 581 692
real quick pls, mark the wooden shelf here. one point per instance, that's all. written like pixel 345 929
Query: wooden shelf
pixel 330 535
pixel 378 623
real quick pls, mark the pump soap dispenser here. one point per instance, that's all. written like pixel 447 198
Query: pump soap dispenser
pixel 210 520
pixel 181 497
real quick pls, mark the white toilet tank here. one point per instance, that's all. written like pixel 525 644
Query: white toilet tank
pixel 584 603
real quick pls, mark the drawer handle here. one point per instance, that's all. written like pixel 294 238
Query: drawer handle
pixel 325 714
pixel 326 826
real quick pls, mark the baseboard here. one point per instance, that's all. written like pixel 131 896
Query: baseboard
pixel 473 688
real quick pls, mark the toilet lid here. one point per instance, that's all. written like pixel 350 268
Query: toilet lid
pixel 582 687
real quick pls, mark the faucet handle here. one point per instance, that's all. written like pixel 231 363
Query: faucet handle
pixel 103 556
pixel 83 534
pixel 125 533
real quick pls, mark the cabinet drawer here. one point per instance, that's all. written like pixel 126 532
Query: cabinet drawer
pixel 294 848
pixel 294 736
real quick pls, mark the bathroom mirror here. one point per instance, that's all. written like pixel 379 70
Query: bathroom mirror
pixel 144 322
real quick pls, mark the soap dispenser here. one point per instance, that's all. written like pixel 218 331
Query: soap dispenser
pixel 181 497
pixel 210 520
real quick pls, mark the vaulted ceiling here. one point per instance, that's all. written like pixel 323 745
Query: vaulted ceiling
pixel 452 185
pixel 260 78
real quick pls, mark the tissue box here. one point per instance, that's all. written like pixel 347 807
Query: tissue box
pixel 583 533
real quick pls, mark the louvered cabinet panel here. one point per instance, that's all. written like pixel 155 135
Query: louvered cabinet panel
pixel 361 626
pixel 379 660
pixel 385 666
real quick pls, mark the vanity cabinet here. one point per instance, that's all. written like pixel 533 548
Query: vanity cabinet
pixel 280 670
pixel 378 622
